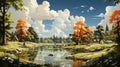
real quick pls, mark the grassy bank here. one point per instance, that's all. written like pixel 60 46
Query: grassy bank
pixel 17 50
pixel 93 51
pixel 95 55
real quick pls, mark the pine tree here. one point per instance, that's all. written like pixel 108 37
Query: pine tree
pixel 107 28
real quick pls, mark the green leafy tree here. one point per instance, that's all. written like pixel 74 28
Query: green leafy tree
pixel 99 35
pixel 8 26
pixel 107 33
pixel 41 40
pixel 32 36
pixel 5 17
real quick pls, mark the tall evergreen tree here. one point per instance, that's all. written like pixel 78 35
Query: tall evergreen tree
pixel 5 17
pixel 107 28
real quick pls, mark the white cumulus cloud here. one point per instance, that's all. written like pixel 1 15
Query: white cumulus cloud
pixel 36 13
pixel 43 12
pixel 108 13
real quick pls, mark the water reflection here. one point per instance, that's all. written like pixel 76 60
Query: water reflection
pixel 54 57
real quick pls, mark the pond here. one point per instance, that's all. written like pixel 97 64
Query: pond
pixel 54 57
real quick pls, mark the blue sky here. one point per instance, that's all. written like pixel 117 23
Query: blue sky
pixel 57 17
pixel 76 8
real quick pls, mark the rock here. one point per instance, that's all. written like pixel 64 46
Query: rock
pixel 50 55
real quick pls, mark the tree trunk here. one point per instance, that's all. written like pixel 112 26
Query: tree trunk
pixel 118 34
pixel 4 30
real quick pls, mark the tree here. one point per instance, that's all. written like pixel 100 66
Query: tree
pixel 99 35
pixel 90 34
pixel 4 21
pixel 115 20
pixel 107 28
pixel 107 34
pixel 81 32
pixel 21 28
pixel 7 27
pixel 115 1
pixel 32 35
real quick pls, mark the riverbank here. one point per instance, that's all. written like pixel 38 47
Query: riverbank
pixel 92 53
pixel 18 52
pixel 86 52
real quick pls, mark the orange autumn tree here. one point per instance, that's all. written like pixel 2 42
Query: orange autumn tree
pixel 21 28
pixel 81 32
pixel 88 35
pixel 115 20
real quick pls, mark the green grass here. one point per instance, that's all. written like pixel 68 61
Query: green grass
pixel 92 46
pixel 1 54
pixel 91 55
pixel 93 51
pixel 10 48
pixel 17 45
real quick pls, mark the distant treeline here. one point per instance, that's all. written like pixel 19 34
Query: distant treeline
pixel 54 40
